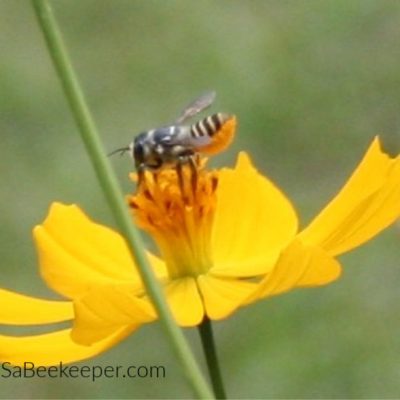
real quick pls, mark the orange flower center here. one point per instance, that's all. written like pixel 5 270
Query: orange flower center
pixel 176 207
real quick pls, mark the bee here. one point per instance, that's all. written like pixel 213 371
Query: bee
pixel 178 143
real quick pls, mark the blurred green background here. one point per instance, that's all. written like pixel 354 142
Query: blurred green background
pixel 311 81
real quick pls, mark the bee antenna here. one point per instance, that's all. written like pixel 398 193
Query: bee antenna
pixel 121 150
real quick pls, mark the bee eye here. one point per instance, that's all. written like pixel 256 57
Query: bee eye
pixel 138 151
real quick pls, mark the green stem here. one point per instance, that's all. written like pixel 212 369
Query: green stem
pixel 207 340
pixel 114 194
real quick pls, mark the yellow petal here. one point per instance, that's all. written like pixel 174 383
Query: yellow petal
pixel 103 310
pixel 18 309
pixel 52 348
pixel 223 296
pixel 299 266
pixel 76 254
pixel 254 221
pixel 368 203
pixel 185 302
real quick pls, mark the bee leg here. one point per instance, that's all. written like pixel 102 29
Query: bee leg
pixel 141 177
pixel 179 171
pixel 193 168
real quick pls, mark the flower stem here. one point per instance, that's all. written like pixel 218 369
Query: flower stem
pixel 207 340
pixel 113 193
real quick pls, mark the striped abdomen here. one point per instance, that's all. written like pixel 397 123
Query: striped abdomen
pixel 220 128
pixel 208 126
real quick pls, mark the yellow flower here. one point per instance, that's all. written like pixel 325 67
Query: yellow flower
pixel 226 238
pixel 49 348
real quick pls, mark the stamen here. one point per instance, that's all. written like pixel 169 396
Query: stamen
pixel 148 195
pixel 141 177
pixel 167 205
pixel 197 159
pixel 155 177
pixel 214 183
pixel 133 204
pixel 176 205
pixel 151 222
pixel 201 211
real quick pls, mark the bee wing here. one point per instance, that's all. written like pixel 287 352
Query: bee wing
pixel 181 136
pixel 198 105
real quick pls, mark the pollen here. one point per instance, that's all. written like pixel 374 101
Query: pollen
pixel 176 207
